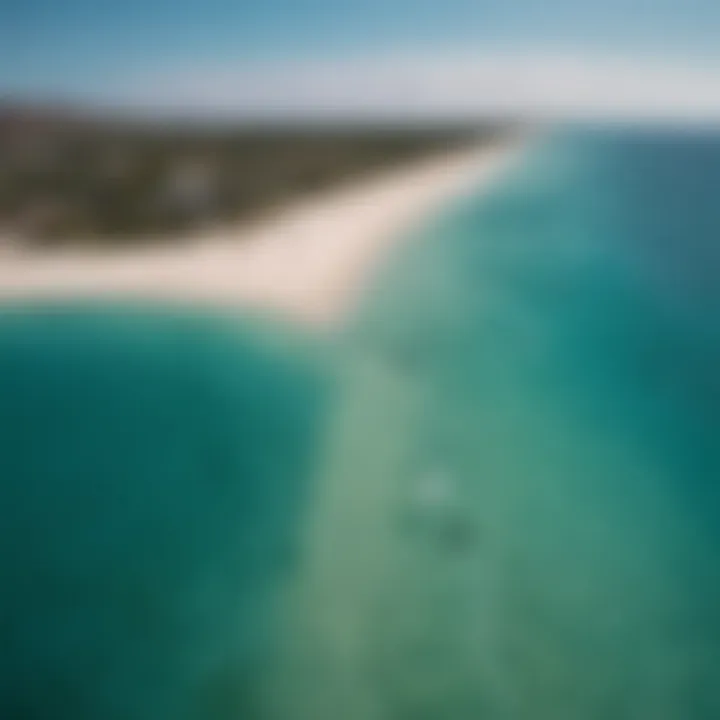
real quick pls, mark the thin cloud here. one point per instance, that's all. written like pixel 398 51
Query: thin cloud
pixel 546 85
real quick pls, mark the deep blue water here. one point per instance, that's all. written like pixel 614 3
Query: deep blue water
pixel 206 519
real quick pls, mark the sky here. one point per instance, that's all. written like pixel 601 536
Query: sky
pixel 325 56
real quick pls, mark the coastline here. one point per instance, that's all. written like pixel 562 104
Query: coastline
pixel 307 262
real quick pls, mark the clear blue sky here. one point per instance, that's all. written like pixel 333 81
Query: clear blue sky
pixel 88 45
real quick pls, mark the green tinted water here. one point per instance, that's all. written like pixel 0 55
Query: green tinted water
pixel 493 495
pixel 519 511
pixel 154 467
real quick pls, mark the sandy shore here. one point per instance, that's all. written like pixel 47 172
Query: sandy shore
pixel 307 262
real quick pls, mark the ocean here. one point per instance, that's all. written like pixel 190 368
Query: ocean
pixel 492 495
pixel 154 467
pixel 525 507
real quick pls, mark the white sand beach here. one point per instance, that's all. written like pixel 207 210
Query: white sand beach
pixel 306 262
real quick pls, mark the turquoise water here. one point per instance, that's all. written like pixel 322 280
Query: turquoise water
pixel 493 495
pixel 543 363
pixel 154 468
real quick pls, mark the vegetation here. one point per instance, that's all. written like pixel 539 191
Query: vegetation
pixel 66 178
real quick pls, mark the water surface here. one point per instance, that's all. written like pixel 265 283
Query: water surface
pixel 496 497
pixel 542 364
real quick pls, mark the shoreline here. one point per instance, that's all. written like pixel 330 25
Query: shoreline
pixel 307 262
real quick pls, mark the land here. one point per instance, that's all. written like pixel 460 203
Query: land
pixel 296 227
pixel 70 178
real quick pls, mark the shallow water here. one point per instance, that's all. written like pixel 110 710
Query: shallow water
pixel 551 353
pixel 494 496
